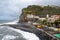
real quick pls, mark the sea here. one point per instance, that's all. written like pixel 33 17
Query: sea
pixel 10 10
pixel 9 33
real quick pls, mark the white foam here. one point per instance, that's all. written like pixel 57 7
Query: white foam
pixel 12 22
pixel 9 37
pixel 27 35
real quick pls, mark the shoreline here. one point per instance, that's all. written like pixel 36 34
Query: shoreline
pixel 28 28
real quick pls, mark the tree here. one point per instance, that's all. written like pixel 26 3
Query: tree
pixel 57 22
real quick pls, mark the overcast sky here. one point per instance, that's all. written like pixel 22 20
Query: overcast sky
pixel 12 8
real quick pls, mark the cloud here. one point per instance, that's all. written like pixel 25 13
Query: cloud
pixel 48 2
pixel 14 7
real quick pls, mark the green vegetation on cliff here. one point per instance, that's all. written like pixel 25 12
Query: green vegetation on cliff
pixel 42 11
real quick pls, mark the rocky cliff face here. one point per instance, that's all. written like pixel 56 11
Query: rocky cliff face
pixel 23 18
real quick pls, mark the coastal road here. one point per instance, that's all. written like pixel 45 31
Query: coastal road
pixel 30 28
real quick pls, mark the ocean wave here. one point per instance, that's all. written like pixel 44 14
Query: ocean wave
pixel 12 22
pixel 10 33
pixel 9 37
pixel 26 35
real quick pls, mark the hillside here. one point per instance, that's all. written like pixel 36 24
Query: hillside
pixel 42 11
pixel 39 11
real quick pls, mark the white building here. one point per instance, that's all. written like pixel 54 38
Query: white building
pixel 42 19
pixel 32 16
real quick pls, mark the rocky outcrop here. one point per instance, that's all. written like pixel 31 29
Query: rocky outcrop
pixel 23 18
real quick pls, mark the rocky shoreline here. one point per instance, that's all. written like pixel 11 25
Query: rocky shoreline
pixel 29 28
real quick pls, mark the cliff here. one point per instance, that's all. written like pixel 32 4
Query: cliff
pixel 23 18
pixel 39 11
